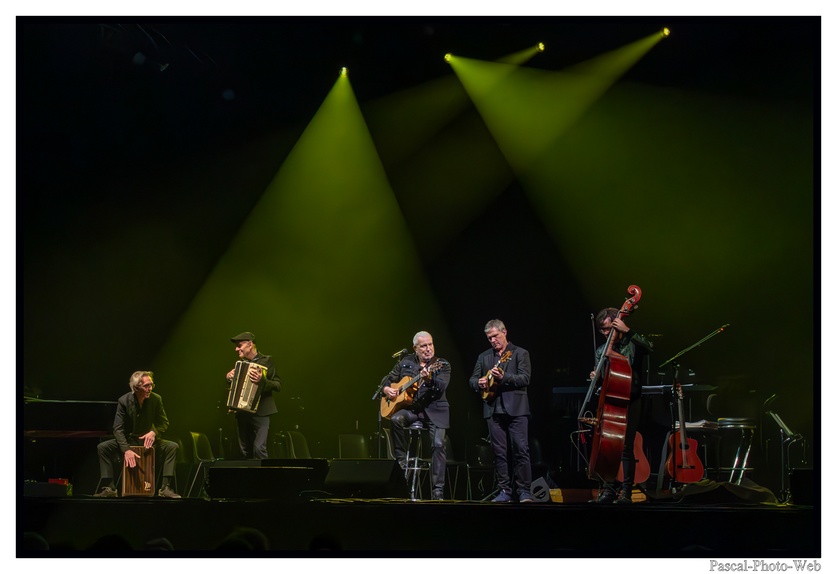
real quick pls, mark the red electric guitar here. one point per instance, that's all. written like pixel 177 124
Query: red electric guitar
pixel 683 463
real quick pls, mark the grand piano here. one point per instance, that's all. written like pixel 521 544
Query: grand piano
pixel 60 438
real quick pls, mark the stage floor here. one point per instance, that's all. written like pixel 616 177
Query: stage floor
pixel 703 526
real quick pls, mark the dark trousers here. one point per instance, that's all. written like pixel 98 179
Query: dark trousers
pixel 633 416
pixel 628 458
pixel 253 431
pixel 109 453
pixel 503 429
pixel 399 425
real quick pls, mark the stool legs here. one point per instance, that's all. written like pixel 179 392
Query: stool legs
pixel 411 472
pixel 742 455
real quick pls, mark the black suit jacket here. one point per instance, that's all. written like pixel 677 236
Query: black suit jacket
pixel 131 422
pixel 271 383
pixel 511 390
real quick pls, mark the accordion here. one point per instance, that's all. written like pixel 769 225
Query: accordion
pixel 244 394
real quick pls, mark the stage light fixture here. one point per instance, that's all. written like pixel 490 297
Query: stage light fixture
pixel 344 71
pixel 665 32
pixel 541 47
pixel 448 57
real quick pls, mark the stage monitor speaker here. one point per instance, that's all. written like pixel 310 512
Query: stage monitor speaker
pixel 366 478
pixel 234 463
pixel 540 490
pixel 265 482
pixel 318 465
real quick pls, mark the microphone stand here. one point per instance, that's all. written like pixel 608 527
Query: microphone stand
pixel 380 392
pixel 377 396
pixel 698 344
pixel 672 399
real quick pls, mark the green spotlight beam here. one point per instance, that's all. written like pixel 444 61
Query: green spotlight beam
pixel 437 152
pixel 521 57
pixel 405 122
pixel 526 110
pixel 651 188
pixel 321 272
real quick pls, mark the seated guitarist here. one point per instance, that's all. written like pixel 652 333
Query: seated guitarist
pixel 634 347
pixel 429 404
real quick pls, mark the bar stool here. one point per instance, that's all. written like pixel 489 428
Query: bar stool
pixel 746 430
pixel 415 464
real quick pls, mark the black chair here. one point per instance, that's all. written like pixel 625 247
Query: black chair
pixel 289 444
pixel 202 457
pixel 352 446
pixel 456 465
pixel 183 461
pixel 298 445
pixel 388 450
pixel 481 465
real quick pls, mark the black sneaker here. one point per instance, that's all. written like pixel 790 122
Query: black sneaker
pixel 606 496
pixel 623 498
pixel 167 492
pixel 106 492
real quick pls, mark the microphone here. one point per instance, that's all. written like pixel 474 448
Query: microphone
pixel 400 354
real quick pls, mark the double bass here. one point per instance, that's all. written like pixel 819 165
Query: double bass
pixel 614 371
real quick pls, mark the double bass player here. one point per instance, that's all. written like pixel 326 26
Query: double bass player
pixel 633 347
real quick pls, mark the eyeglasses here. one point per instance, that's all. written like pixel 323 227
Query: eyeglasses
pixel 147 387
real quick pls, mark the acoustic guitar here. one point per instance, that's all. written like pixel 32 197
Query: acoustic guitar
pixel 683 463
pixel 407 389
pixel 490 391
pixel 642 470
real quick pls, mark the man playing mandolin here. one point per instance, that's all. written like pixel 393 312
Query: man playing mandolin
pixel 634 347
pixel 501 375
pixel 427 403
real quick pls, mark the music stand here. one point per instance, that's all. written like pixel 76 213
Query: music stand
pixel 788 438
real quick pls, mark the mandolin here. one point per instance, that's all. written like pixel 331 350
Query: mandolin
pixel 490 391
pixel 683 463
pixel 407 389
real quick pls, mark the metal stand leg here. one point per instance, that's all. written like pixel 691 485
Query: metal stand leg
pixel 414 463
pixel 739 466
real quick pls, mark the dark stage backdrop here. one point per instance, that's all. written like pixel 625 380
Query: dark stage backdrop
pixel 144 145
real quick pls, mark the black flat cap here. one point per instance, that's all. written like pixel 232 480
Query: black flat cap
pixel 245 336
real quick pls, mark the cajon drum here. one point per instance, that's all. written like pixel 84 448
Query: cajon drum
pixel 139 481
